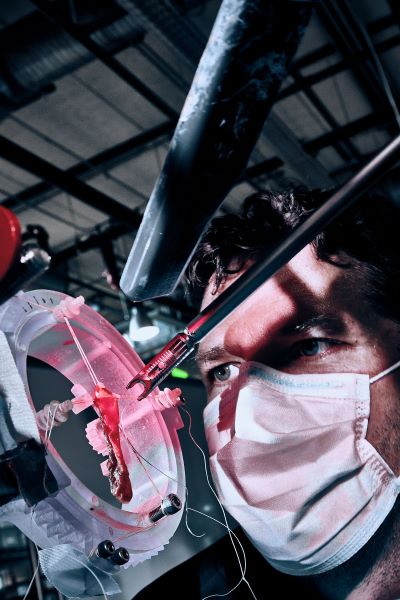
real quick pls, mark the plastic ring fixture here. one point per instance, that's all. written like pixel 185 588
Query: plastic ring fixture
pixel 149 444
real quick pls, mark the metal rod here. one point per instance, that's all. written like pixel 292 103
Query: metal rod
pixel 256 275
pixel 238 78
pixel 176 350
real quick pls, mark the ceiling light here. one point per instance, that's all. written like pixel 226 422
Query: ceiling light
pixel 141 327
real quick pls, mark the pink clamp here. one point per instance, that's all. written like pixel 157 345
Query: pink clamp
pixel 82 398
pixel 70 308
pixel 167 398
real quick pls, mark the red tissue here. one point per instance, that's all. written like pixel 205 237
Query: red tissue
pixel 106 403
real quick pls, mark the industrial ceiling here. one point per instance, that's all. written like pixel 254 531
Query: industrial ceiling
pixel 90 93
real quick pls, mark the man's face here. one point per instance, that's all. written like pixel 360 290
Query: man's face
pixel 311 317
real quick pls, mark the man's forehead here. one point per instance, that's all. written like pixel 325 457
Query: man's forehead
pixel 307 296
pixel 304 275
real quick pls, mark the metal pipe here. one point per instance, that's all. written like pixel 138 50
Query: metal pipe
pixel 183 343
pixel 236 83
pixel 256 275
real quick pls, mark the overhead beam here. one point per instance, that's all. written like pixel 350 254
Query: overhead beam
pixel 356 59
pixel 90 242
pixel 394 7
pixel 45 170
pixel 346 150
pixel 103 161
pixel 353 128
pixel 346 32
pixel 48 9
pixel 126 150
pixel 262 168
pixel 308 169
pixel 327 50
pixel 380 24
pixel 51 276
pixel 312 57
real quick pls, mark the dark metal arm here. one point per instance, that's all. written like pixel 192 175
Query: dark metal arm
pixel 163 363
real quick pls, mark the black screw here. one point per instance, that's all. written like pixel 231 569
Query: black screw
pixel 105 549
pixel 169 506
pixel 120 556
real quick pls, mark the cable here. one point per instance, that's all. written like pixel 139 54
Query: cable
pixel 82 353
pixel 92 572
pixel 230 532
pixel 31 582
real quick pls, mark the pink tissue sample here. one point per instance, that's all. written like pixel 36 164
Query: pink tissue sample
pixel 107 406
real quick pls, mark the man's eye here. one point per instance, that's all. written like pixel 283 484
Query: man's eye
pixel 224 373
pixel 315 346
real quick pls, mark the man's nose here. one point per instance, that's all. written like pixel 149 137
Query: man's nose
pixel 252 333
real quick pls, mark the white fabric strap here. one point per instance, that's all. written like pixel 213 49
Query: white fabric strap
pixel 19 407
pixel 385 372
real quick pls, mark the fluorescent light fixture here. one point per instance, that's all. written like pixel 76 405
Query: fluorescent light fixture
pixel 141 327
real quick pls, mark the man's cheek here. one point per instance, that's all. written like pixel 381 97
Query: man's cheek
pixel 384 422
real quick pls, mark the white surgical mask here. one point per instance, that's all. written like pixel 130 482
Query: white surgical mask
pixel 290 462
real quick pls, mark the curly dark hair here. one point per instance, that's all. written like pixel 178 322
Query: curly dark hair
pixel 363 238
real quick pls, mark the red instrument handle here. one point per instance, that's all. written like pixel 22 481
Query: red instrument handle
pixel 10 240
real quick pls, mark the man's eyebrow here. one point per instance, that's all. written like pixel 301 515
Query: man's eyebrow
pixel 207 356
pixel 329 322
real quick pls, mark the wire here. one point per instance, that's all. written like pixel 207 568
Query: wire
pixel 196 535
pixel 240 546
pixel 139 458
pixel 82 353
pixel 93 573
pixel 31 582
pixel 230 532
pixel 48 432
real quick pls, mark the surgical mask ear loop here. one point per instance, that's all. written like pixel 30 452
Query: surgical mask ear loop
pixel 385 372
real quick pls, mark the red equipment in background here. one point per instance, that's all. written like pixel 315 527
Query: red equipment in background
pixel 23 257
pixel 10 240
